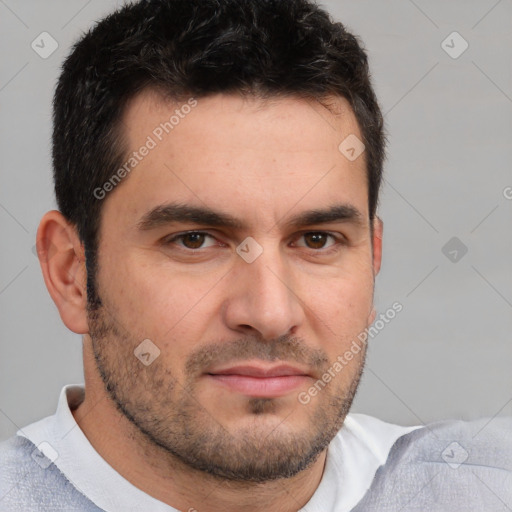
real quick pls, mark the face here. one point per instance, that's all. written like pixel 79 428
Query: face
pixel 239 245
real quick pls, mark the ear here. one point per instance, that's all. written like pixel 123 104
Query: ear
pixel 62 259
pixel 378 229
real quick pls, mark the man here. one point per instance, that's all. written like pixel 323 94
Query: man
pixel 217 165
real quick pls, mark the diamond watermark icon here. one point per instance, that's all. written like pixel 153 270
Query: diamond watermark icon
pixel 454 249
pixel 45 454
pixel 44 45
pixel 454 455
pixel 45 255
pixel 352 147
pixel 454 45
pixel 249 249
pixel 147 352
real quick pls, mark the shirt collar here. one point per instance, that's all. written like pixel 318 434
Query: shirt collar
pixel 353 457
pixel 82 464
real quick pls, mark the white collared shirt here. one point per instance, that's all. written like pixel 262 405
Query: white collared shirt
pixel 353 457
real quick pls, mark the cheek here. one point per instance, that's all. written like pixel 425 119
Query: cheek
pixel 340 312
pixel 342 299
pixel 161 303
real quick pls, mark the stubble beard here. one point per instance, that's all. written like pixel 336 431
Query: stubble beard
pixel 168 414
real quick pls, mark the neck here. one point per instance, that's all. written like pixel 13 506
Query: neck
pixel 158 473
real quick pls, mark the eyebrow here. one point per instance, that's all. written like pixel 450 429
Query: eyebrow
pixel 174 212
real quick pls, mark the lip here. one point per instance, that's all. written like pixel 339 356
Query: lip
pixel 282 370
pixel 260 381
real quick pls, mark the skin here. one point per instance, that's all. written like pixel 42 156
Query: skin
pixel 170 428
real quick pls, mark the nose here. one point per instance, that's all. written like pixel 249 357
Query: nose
pixel 263 297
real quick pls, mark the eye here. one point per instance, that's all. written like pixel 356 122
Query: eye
pixel 192 240
pixel 197 240
pixel 318 240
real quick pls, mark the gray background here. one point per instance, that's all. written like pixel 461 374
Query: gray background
pixel 449 352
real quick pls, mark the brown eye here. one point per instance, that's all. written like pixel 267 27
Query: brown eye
pixel 193 240
pixel 316 240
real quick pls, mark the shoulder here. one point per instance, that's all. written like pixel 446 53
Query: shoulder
pixel 447 465
pixel 485 442
pixel 29 481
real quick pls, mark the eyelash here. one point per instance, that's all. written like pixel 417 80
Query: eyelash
pixel 339 241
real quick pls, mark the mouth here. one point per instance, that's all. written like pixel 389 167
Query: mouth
pixel 260 381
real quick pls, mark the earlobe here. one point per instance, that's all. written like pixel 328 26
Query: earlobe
pixel 62 261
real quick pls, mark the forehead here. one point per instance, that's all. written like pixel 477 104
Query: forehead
pixel 262 157
pixel 148 113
